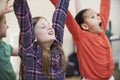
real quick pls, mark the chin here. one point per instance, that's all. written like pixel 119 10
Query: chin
pixel 52 39
pixel 100 32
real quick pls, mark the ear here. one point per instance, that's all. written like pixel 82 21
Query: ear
pixel 84 26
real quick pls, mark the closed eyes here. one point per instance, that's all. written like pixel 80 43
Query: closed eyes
pixel 42 27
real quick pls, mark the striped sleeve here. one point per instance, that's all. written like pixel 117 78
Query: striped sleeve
pixel 24 18
pixel 58 20
pixel 71 23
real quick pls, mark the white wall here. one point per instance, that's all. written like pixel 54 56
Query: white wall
pixel 45 8
pixel 114 17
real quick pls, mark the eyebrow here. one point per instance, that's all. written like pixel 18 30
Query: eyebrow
pixel 94 13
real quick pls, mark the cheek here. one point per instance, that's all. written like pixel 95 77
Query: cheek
pixel 40 35
pixel 92 24
pixel 3 30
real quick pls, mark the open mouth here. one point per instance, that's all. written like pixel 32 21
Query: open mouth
pixel 50 33
pixel 100 24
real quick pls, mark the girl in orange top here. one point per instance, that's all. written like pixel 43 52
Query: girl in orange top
pixel 93 48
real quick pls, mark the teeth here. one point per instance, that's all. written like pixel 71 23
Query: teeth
pixel 50 33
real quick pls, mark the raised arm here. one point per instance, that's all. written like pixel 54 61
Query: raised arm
pixel 59 18
pixel 71 23
pixel 104 12
pixel 6 8
pixel 23 15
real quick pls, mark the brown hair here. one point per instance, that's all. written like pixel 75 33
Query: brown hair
pixel 46 54
pixel 46 65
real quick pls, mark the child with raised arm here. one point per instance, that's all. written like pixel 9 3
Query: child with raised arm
pixel 41 44
pixel 6 50
pixel 93 48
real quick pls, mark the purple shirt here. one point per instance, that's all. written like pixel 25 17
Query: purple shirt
pixel 30 52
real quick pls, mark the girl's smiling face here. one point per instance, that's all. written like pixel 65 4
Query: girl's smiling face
pixel 43 31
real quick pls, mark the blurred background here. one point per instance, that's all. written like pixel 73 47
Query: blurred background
pixel 45 8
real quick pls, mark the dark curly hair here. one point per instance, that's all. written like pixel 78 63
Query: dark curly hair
pixel 79 17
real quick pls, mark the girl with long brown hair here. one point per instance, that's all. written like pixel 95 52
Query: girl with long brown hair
pixel 41 44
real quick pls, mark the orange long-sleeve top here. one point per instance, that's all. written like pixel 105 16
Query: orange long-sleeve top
pixel 93 50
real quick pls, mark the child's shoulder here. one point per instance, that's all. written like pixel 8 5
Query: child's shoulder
pixel 3 44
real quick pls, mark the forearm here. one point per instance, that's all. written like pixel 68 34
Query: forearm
pixel 59 18
pixel 70 22
pixel 21 10
pixel 6 8
pixel 1 13
pixel 104 12
pixel 1 8
pixel 24 17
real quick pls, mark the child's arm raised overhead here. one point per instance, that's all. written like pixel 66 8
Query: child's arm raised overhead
pixel 104 12
pixel 24 17
pixel 71 23
pixel 6 8
pixel 59 18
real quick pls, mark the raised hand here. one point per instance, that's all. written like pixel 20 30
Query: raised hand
pixel 7 8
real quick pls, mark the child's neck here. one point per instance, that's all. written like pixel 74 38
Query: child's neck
pixel 46 45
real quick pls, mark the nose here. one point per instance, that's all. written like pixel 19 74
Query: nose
pixel 49 27
pixel 7 26
pixel 99 18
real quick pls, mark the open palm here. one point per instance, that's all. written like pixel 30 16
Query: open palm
pixel 6 8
